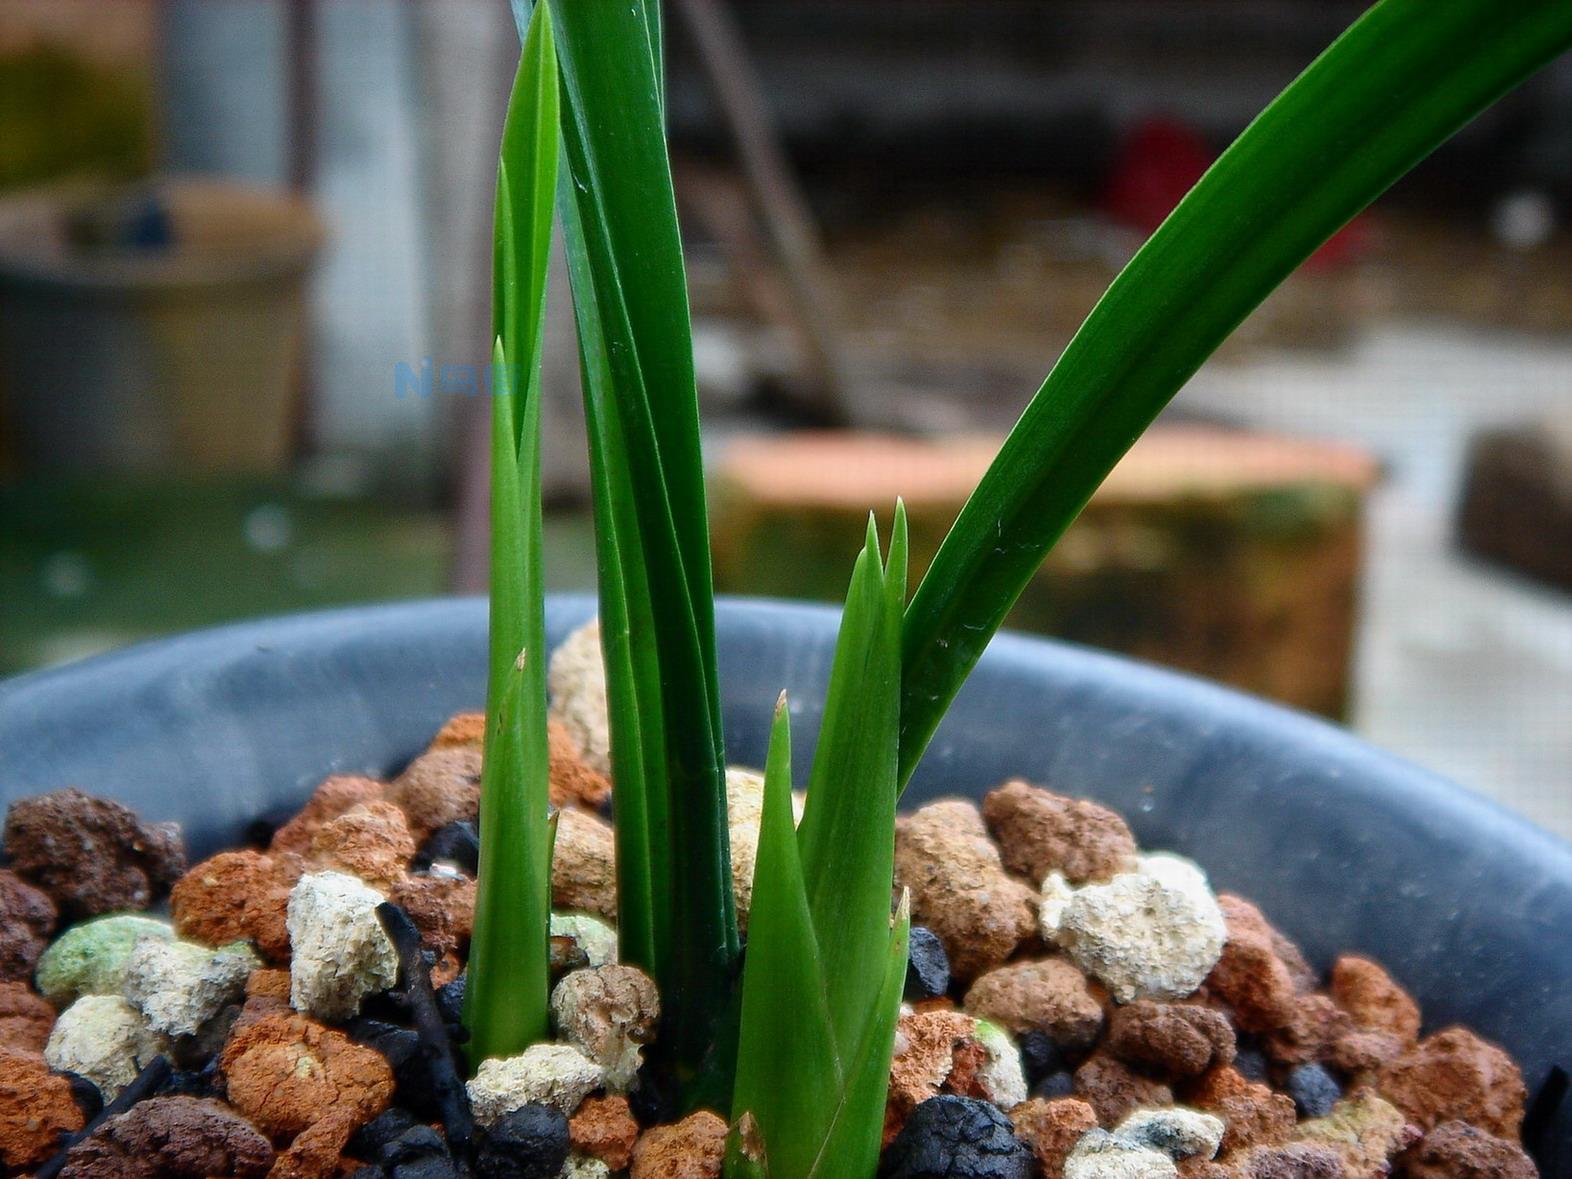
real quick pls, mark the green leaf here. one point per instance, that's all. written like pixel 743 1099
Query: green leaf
pixel 1400 81
pixel 788 1070
pixel 856 1133
pixel 506 1000
pixel 625 262
pixel 526 192
pixel 848 826
pixel 836 952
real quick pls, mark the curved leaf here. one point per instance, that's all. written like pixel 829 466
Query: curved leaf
pixel 1382 97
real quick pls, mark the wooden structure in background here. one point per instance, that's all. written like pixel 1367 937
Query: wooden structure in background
pixel 1232 555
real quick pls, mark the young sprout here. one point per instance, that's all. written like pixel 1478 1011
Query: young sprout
pixel 821 988
pixel 505 998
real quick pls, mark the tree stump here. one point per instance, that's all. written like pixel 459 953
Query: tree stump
pixel 1229 554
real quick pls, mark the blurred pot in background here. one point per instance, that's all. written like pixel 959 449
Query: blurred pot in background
pixel 151 327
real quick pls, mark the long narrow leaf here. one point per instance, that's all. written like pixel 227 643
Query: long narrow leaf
pixel 788 1070
pixel 848 827
pixel 851 1147
pixel 506 1000
pixel 839 949
pixel 628 647
pixel 625 260
pixel 1400 81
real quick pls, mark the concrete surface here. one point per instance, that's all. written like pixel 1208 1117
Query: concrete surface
pixel 1459 666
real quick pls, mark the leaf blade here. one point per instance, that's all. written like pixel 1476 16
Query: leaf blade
pixel 1398 82
pixel 847 834
pixel 853 1141
pixel 506 1000
pixel 626 262
pixel 786 1060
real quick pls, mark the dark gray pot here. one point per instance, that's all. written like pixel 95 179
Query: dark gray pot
pixel 1344 847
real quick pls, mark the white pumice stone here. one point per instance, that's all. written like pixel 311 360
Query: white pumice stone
pixel 1175 871
pixel 1003 1078
pixel 1100 1155
pixel 1057 894
pixel 1177 1131
pixel 106 1040
pixel 178 986
pixel 91 958
pixel 584 1166
pixel 744 796
pixel 608 1013
pixel 558 1075
pixel 576 681
pixel 1154 933
pixel 338 951
pixel 595 937
pixel 744 813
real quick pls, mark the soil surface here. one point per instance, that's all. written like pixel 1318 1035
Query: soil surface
pixel 1077 1007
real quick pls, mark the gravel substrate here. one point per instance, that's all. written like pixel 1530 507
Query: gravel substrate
pixel 1077 1007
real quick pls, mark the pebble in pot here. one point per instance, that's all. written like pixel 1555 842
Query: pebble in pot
pixel 1456 1075
pixel 26 1018
pixel 27 918
pixel 1052 1128
pixel 173 1137
pixel 1040 832
pixel 592 937
pixel 106 1040
pixel 438 788
pixel 529 1143
pixel 341 953
pixel 36 1107
pixel 608 1013
pixel 304 1084
pixel 1365 1130
pixel 334 796
pixel 1101 1155
pixel 583 864
pixel 1456 1149
pixel 576 679
pixel 693 1148
pixel 1314 1090
pixel 948 1052
pixel 1001 1075
pixel 957 1138
pixel 1049 995
pixel 927 965
pixel 179 986
pixel 92 958
pixel 1171 1040
pixel 959 888
pixel 556 1075
pixel 238 896
pixel 1177 1132
pixel 603 1128
pixel 92 855
pixel 1154 933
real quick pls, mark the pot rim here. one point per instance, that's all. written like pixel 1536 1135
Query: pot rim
pixel 27 694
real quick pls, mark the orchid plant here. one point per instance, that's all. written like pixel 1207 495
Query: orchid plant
pixel 794 1040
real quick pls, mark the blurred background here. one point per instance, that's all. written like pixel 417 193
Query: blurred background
pixel 244 250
